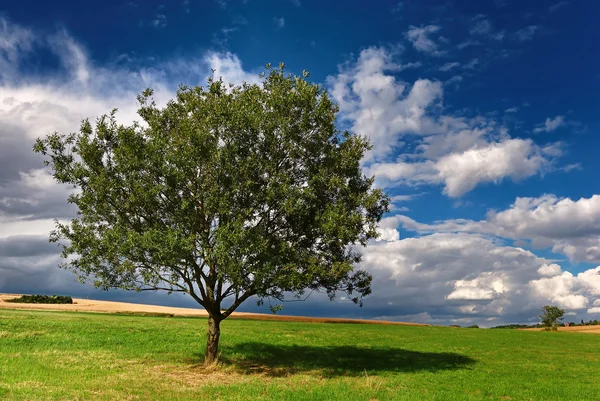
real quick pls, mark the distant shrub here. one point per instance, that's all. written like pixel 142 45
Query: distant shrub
pixel 455 325
pixel 41 299
pixel 518 326
pixel 146 314
pixel 474 326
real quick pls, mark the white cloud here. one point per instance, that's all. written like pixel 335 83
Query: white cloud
pixel 405 173
pixel 15 43
pixel 403 198
pixel 380 106
pixel 564 225
pixel 571 167
pixel 468 276
pixel 72 55
pixel 567 290
pixel 419 37
pixel 514 158
pixel 229 67
pixel 549 270
pixel 449 66
pixel 461 172
pixel 395 200
pixel 455 151
pixel 551 124
pixel 20 227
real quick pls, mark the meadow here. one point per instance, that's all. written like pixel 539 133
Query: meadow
pixel 90 356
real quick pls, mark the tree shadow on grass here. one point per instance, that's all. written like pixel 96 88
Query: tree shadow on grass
pixel 283 360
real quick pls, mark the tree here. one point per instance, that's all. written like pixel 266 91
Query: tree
pixel 550 317
pixel 227 192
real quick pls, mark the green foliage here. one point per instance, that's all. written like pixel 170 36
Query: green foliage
pixel 228 191
pixel 474 326
pixel 41 299
pixel 550 317
pixel 517 326
pixel 118 357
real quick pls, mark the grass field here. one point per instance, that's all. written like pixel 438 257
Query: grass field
pixel 85 356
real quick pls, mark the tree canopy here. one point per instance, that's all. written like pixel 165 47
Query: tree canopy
pixel 550 317
pixel 227 192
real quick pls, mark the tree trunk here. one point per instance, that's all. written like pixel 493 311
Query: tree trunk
pixel 212 340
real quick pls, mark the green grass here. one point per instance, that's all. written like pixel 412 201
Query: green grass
pixel 78 356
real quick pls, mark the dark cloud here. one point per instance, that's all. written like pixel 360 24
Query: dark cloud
pixel 15 154
pixel 26 246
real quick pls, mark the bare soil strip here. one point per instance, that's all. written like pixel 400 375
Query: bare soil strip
pixel 89 305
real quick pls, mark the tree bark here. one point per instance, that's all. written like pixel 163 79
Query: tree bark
pixel 212 340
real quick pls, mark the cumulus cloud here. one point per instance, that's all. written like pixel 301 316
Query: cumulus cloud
pixel 454 151
pixel 472 278
pixel 570 227
pixel 380 106
pixel 461 172
pixel 514 158
pixel 569 291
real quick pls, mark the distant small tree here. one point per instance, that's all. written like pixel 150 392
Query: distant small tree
pixel 551 315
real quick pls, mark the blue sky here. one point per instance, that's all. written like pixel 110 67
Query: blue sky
pixel 483 116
